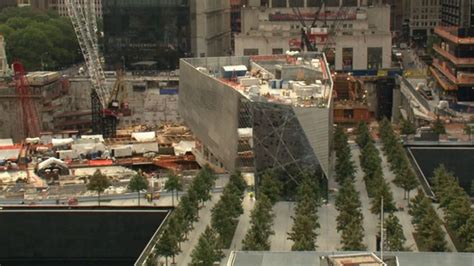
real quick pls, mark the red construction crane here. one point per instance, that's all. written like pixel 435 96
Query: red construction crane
pixel 28 113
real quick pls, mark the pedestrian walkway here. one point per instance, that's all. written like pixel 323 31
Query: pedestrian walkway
pixel 282 224
pixel 328 237
pixel 401 203
pixel 371 221
pixel 244 223
pixel 184 258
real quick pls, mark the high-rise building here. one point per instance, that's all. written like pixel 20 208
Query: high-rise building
pixel 354 35
pixel 424 17
pixel 457 13
pixel 150 35
pixel 453 65
pixel 258 113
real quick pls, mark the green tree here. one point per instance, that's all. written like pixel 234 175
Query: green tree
pixel 352 236
pixel 167 245
pixel 238 180
pixel 37 37
pixel 98 182
pixel 174 184
pixel 261 221
pixel 395 240
pixel 340 139
pixel 345 167
pixel 137 184
pixel 207 250
pixel 348 204
pixel 363 134
pixel 407 127
pixel 438 126
pixel 407 180
pixel 305 222
pixel 270 187
pixel 225 213
pixel 383 191
pixel 431 233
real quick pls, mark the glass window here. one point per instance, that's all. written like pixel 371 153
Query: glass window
pixel 250 51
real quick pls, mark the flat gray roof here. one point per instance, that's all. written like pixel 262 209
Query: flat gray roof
pixel 307 258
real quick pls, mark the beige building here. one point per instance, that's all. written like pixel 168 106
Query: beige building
pixel 356 35
pixel 424 16
pixel 210 28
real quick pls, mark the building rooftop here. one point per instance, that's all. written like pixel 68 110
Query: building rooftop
pixel 308 258
pixel 300 80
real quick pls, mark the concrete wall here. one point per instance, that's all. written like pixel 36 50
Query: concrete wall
pixel 210 109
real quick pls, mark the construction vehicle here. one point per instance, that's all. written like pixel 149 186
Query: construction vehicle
pixel 105 103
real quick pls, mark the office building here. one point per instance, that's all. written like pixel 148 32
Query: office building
pixel 353 34
pixel 424 17
pixel 150 35
pixel 454 57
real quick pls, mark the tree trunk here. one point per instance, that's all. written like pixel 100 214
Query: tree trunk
pixel 174 262
pixel 98 198
pixel 408 199
pixel 138 198
pixel 177 196
pixel 166 258
pixel 172 197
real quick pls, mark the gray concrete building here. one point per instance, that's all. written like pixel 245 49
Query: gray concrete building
pixel 424 16
pixel 353 34
pixel 255 113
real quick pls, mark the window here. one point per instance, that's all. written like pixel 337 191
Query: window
pixel 250 51
pixel 278 3
pixel 347 57
pixel 374 58
pixel 297 3
pixel 277 51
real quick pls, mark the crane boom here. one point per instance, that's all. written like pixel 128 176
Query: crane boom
pixel 83 18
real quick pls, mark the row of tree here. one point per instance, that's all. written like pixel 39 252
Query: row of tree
pixel 305 222
pixel 428 231
pixel 261 217
pixel 223 221
pixel 405 178
pixel 371 164
pixel 41 40
pixel 181 221
pixel 428 227
pixel 456 204
pixel 350 218
pixel 378 189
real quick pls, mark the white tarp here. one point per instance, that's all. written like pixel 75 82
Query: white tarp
pixel 67 155
pixel 88 148
pixel 122 151
pixel 9 154
pixel 184 146
pixel 140 148
pixel 62 142
pixel 99 137
pixel 6 142
pixel 245 132
pixel 32 140
pixel 144 136
pixel 46 163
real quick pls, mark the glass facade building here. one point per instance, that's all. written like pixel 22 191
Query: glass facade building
pixel 146 34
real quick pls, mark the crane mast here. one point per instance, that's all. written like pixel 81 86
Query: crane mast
pixel 84 20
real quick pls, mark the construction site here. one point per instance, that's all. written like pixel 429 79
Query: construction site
pixel 57 128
